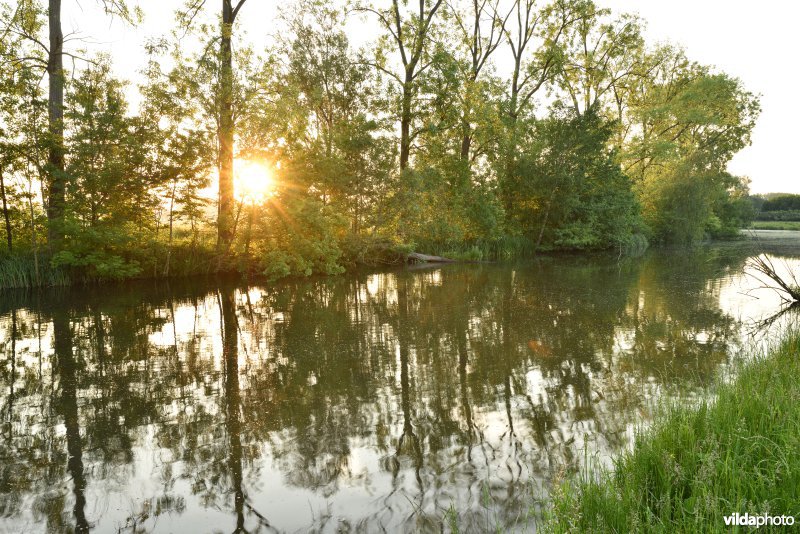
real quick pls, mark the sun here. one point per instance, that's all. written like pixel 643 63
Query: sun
pixel 253 181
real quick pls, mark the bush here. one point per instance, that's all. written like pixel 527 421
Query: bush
pixel 301 240
pixel 99 252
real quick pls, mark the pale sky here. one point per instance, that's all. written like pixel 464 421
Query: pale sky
pixel 754 41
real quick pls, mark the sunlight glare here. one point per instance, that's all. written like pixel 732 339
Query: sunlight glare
pixel 253 182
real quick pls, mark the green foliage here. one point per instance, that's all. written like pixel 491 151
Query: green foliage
pixel 570 191
pixel 776 225
pixel 733 210
pixel 691 123
pixel 99 252
pixel 411 142
pixel 676 204
pixel 300 238
pixel 431 212
pixel 685 204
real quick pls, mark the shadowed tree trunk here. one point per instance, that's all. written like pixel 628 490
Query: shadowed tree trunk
pixel 55 117
pixel 9 238
pixel 225 220
pixel 405 122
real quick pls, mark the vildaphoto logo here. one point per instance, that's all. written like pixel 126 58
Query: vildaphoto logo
pixel 747 520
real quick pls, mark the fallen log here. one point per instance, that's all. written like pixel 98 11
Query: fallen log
pixel 416 257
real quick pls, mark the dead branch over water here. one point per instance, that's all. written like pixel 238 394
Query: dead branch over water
pixel 787 287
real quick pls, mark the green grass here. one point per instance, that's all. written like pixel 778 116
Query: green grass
pixel 776 225
pixel 697 465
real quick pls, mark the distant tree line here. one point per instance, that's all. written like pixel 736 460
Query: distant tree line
pixel 782 202
pixel 775 207
pixel 475 129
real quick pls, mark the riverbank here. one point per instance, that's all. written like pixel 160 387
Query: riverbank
pixel 21 271
pixel 695 466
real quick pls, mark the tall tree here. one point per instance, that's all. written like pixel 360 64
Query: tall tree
pixel 226 123
pixel 22 63
pixel 482 29
pixel 601 57
pixel 225 222
pixel 409 33
pixel 55 122
pixel 534 38
pixel 56 176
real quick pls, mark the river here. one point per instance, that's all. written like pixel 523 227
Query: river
pixel 396 400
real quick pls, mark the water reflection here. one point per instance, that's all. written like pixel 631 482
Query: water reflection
pixel 376 401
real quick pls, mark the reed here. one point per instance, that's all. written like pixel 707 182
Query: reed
pixel 25 271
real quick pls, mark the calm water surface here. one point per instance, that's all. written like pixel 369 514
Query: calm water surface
pixel 369 402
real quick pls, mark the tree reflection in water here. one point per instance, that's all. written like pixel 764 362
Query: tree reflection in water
pixel 365 402
pixel 68 405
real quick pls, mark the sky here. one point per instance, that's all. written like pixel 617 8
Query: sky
pixel 754 41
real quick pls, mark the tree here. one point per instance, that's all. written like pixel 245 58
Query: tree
pixel 690 123
pixel 409 34
pixel 112 185
pixel 55 114
pixel 599 58
pixel 225 222
pixel 21 113
pixel 482 30
pixel 182 146
pixel 570 188
pixel 533 68
pixel 20 24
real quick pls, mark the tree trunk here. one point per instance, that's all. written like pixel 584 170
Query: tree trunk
pixel 34 244
pixel 425 258
pixel 250 215
pixel 466 139
pixel 171 226
pixel 9 238
pixel 226 204
pixel 405 123
pixel 511 142
pixel 544 222
pixel 55 117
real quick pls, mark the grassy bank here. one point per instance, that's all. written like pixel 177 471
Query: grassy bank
pixel 776 225
pixel 695 466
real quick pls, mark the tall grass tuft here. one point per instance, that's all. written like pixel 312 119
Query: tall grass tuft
pixel 695 466
pixel 23 271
